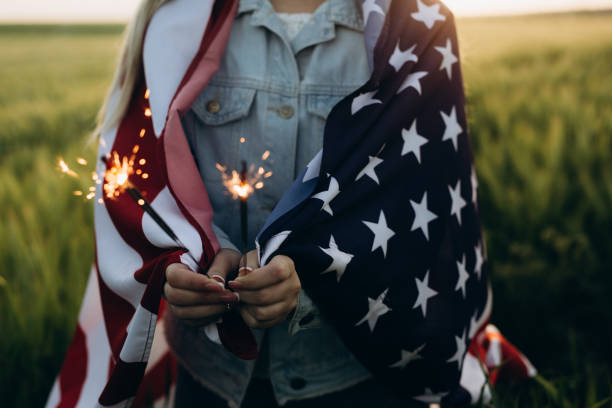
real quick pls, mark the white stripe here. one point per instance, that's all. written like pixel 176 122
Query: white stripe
pixel 139 338
pixel 54 396
pixel 172 40
pixel 98 349
pixel 473 379
pixel 117 261
pixel 166 206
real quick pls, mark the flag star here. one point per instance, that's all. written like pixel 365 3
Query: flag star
pixel 473 325
pixel 339 259
pixel 408 357
pixel 459 354
pixel 399 57
pixel 425 292
pixel 422 216
pixel 448 58
pixel 369 7
pixel 413 141
pixel 376 308
pixel 327 196
pixel 413 81
pixel 369 171
pixel 363 100
pixel 457 201
pixel 463 276
pixel 453 129
pixel 474 182
pixel 313 168
pixel 479 260
pixel 382 233
pixel 428 15
pixel 429 397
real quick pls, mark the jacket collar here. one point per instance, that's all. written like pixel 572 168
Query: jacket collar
pixel 343 12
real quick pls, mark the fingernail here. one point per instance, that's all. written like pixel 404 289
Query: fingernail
pixel 234 284
pixel 218 278
pixel 214 287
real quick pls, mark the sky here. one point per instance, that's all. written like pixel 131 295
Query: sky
pixel 121 10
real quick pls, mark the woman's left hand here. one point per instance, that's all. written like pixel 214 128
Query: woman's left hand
pixel 267 294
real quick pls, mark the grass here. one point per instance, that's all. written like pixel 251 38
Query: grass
pixel 540 108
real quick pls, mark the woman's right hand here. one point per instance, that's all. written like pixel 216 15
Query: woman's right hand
pixel 199 299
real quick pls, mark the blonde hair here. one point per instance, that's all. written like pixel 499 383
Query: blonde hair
pixel 129 68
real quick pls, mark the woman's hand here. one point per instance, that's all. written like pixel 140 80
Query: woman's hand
pixel 200 299
pixel 267 294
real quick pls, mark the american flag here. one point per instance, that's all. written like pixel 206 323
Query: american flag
pixel 382 225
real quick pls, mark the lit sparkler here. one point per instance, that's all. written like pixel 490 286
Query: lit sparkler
pixel 242 184
pixel 117 179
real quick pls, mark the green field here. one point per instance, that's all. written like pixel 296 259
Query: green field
pixel 540 113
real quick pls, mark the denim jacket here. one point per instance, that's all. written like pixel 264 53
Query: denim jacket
pixel 273 94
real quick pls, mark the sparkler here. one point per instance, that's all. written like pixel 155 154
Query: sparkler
pixel 241 185
pixel 118 181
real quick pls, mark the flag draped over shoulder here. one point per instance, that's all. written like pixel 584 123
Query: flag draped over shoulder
pixel 383 224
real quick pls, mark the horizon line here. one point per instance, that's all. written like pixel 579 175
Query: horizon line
pixel 571 10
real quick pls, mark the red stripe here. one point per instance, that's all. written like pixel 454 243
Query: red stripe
pixel 123 383
pixel 74 370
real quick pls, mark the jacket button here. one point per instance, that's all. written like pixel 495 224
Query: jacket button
pixel 213 106
pixel 306 319
pixel 285 111
pixel 298 383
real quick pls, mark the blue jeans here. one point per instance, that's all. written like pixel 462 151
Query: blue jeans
pixel 367 394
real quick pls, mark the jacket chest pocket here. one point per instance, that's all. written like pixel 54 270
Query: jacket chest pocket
pixel 222 114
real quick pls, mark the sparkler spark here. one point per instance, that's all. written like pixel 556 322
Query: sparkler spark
pixel 242 187
pixel 65 169
pixel 81 161
pixel 117 176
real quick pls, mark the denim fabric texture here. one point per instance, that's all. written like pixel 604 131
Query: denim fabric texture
pixel 275 93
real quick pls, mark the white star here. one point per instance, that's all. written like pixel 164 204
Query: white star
pixel 452 127
pixel 376 308
pixel 474 181
pixel 463 276
pixel 339 259
pixel 412 81
pixel 428 14
pixel 459 354
pixel 382 233
pixel 429 397
pixel 479 260
pixel 413 141
pixel 327 196
pixel 408 357
pixel 457 201
pixel 313 168
pixel 399 57
pixel 370 6
pixel 448 58
pixel 368 170
pixel 363 100
pixel 422 216
pixel 425 292
pixel 473 325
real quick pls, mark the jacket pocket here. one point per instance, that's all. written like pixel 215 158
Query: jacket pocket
pixel 218 105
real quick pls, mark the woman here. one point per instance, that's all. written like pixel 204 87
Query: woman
pixel 380 228
pixel 285 109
